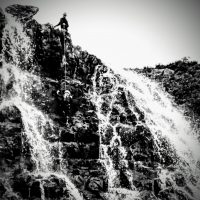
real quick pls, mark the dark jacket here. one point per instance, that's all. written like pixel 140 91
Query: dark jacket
pixel 63 23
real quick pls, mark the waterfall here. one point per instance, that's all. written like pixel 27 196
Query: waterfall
pixel 161 116
pixel 130 108
pixel 99 96
pixel 166 120
pixel 19 82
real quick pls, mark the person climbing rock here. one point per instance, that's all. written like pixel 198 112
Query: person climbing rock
pixel 63 23
pixel 116 154
pixel 67 95
pixel 67 101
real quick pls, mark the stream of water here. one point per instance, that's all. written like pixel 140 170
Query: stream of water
pixel 161 116
pixel 18 73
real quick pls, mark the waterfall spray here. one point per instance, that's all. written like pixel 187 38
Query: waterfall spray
pixel 122 102
pixel 18 82
pixel 161 116
pixel 113 163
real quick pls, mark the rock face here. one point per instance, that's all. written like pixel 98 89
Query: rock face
pixel 68 125
pixel 181 80
pixel 2 24
pixel 2 17
pixel 21 12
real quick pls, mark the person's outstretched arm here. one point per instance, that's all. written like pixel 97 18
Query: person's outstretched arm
pixel 58 24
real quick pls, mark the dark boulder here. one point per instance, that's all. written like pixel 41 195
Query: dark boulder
pixel 2 18
pixel 2 25
pixel 180 180
pixel 2 189
pixel 22 12
pixel 54 188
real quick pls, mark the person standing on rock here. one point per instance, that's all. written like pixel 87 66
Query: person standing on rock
pixel 63 23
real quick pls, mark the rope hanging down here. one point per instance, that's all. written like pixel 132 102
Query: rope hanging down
pixel 64 62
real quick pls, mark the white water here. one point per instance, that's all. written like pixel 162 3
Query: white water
pixel 162 117
pixel 98 97
pixel 18 74
pixel 165 120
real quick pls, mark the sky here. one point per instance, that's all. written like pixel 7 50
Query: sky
pixel 127 33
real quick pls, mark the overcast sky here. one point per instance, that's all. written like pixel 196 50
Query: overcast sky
pixel 127 33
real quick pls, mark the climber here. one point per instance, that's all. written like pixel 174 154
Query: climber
pixel 67 95
pixel 115 153
pixel 63 22
pixel 64 28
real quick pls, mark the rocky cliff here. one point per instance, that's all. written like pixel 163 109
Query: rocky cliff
pixel 72 128
pixel 181 80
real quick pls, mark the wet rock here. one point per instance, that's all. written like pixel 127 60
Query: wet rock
pixel 107 135
pixel 11 115
pixel 76 139
pixel 2 189
pixel 150 172
pixel 71 150
pixel 67 136
pixel 167 73
pixel 30 187
pixel 87 137
pixel 180 180
pixel 128 136
pixel 91 165
pixel 21 184
pixel 181 195
pixel 167 194
pixel 80 151
pixel 95 184
pixel 189 191
pixel 22 12
pixel 11 196
pixel 2 16
pixel 173 194
pixel 168 182
pixel 79 181
pixel 147 195
pixel 193 180
pixel 123 177
pixel 35 190
pixel 54 188
pixel 180 79
pixel 157 186
pixel 10 144
pixel 2 25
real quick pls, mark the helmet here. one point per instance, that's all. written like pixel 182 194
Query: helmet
pixel 67 94
pixel 64 14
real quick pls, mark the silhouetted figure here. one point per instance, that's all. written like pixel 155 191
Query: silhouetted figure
pixel 63 23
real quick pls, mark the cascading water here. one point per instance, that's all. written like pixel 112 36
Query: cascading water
pixel 112 155
pixel 18 83
pixel 163 117
pixel 164 120
pixel 126 105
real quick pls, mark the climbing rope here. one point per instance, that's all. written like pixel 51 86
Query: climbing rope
pixel 64 62
pixel 66 94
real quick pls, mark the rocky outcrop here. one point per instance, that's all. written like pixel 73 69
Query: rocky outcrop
pixel 2 18
pixel 181 80
pixel 22 12
pixel 2 25
pixel 72 131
